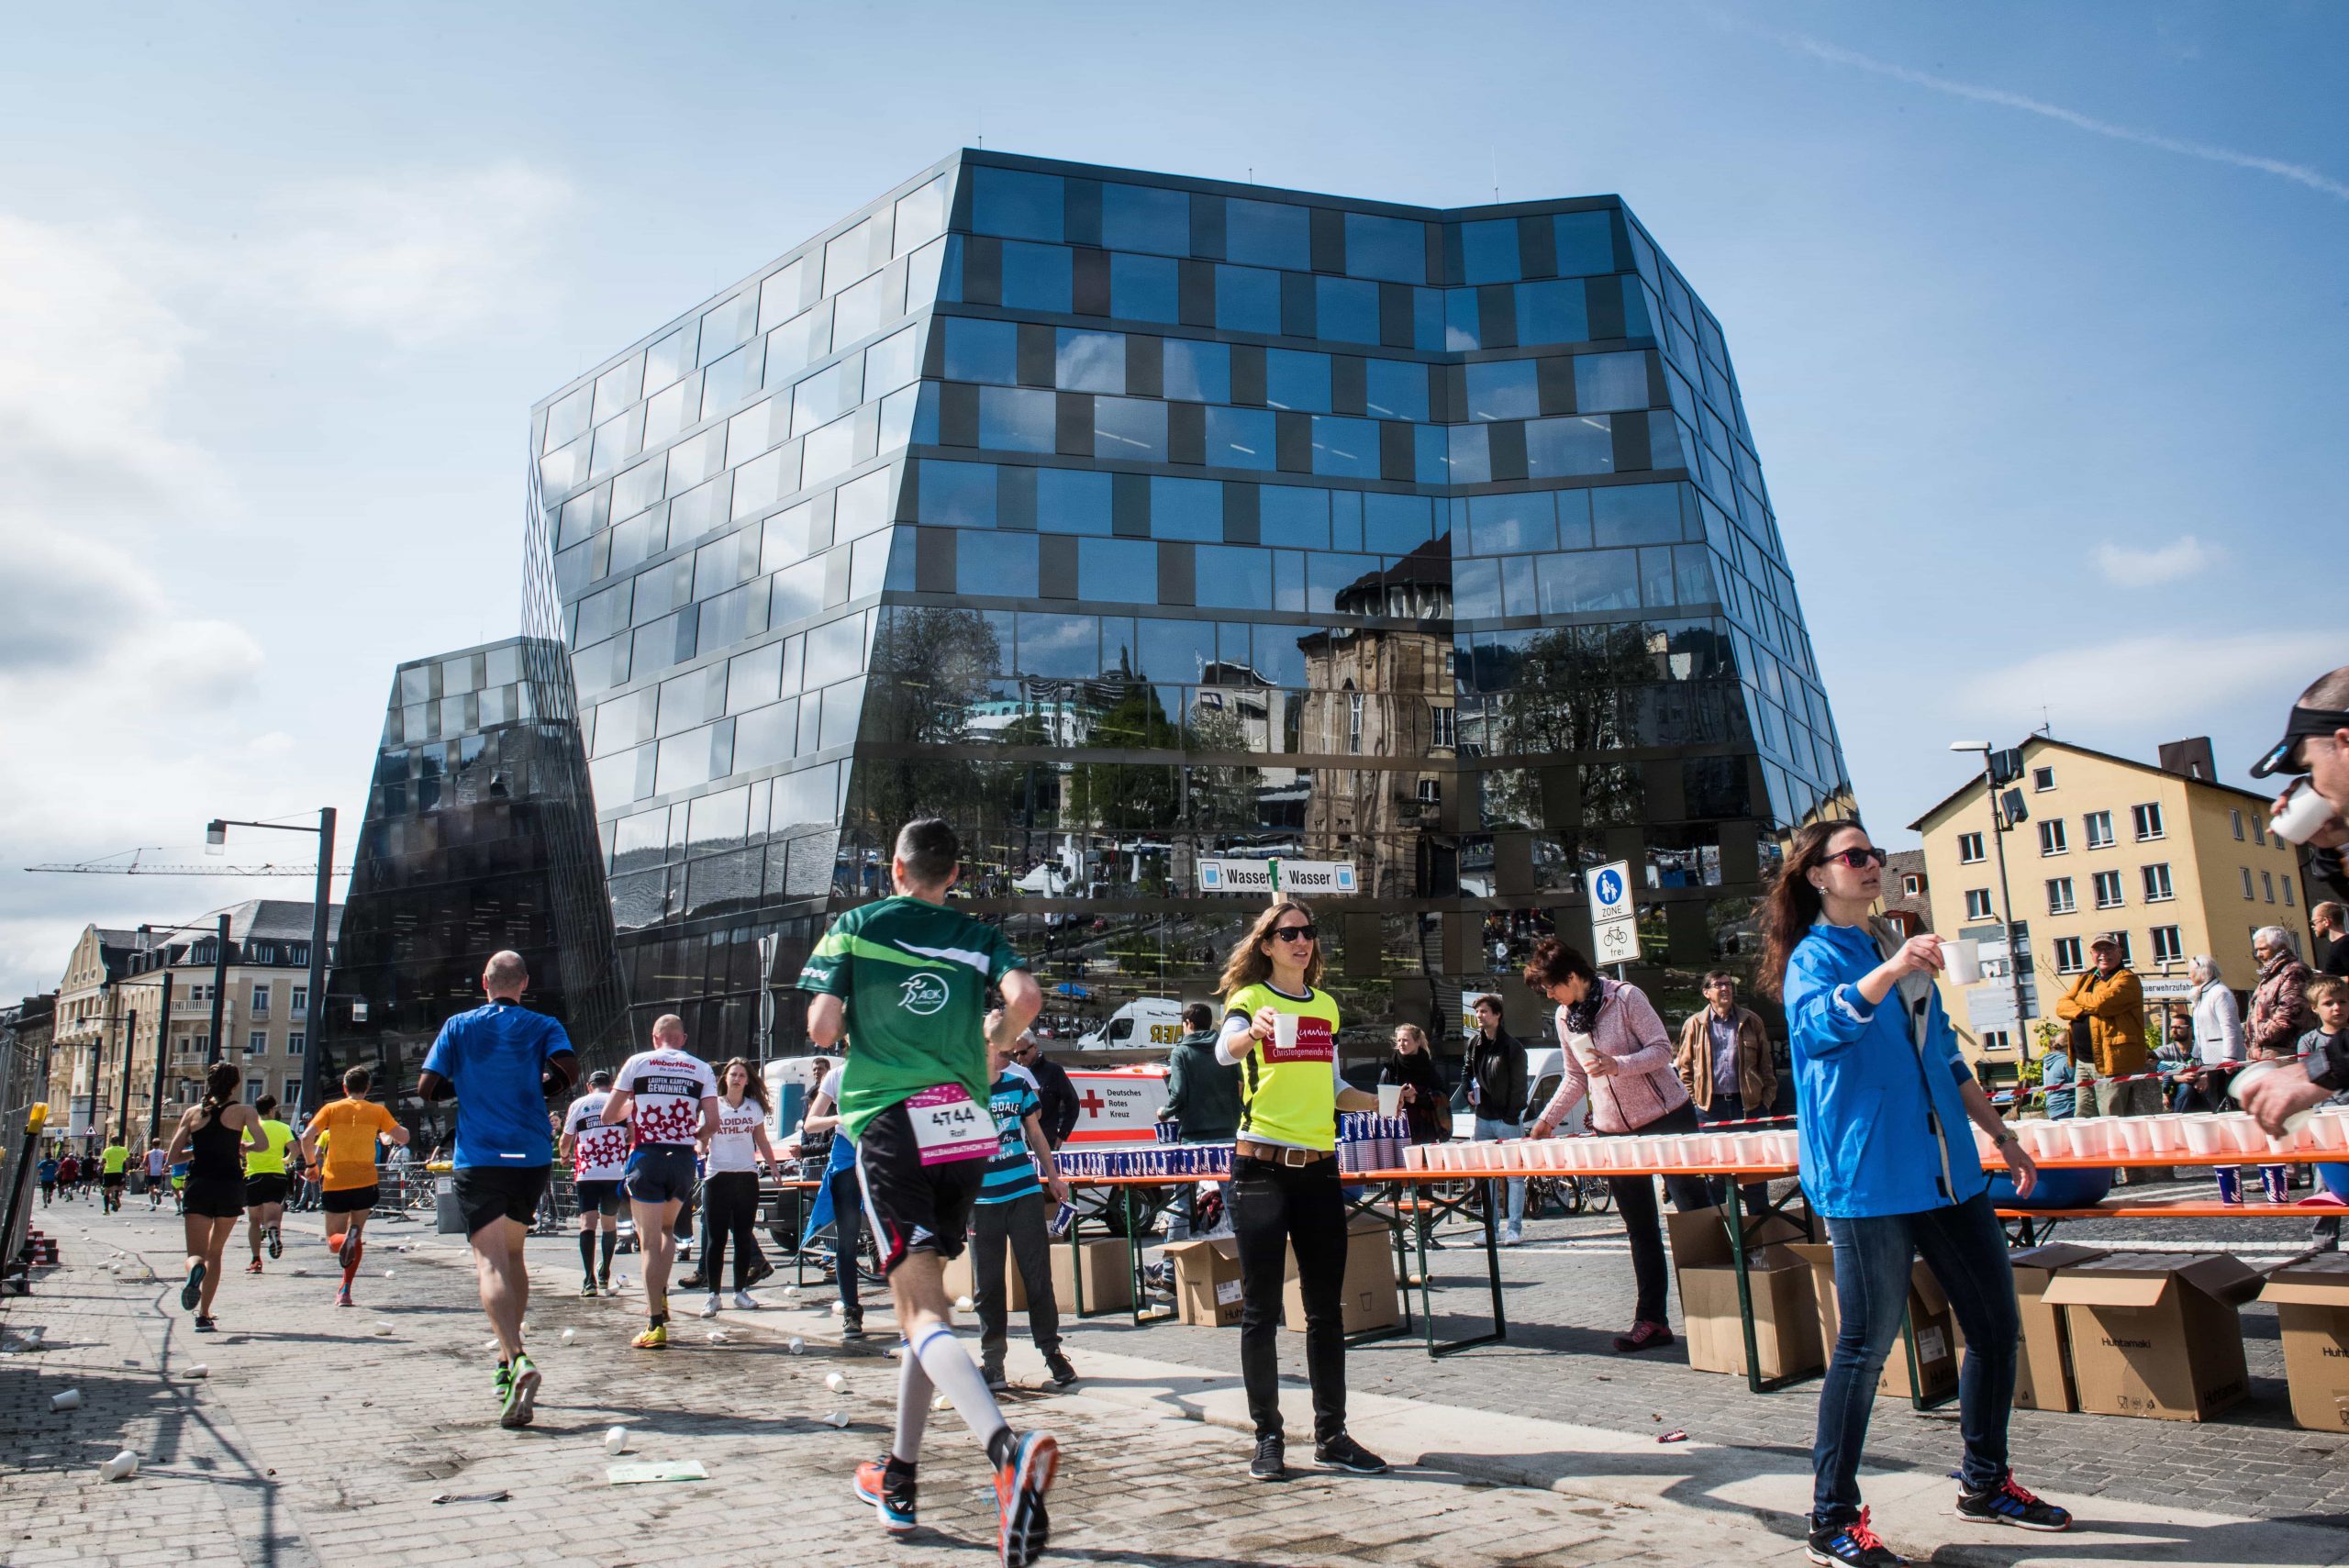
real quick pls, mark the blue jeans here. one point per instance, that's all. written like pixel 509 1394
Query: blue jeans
pixel 1968 1253
pixel 1487 1130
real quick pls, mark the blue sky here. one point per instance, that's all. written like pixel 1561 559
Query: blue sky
pixel 2038 312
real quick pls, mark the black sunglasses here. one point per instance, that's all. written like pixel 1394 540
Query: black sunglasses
pixel 1860 859
pixel 1295 933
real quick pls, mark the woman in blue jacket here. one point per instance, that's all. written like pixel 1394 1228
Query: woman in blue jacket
pixel 1881 1098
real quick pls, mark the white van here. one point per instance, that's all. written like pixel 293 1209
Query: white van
pixel 790 1080
pixel 1150 1020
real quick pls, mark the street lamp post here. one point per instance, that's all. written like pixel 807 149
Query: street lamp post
pixel 217 836
pixel 2005 899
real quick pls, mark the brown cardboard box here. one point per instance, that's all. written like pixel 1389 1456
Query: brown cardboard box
pixel 2312 1299
pixel 2156 1334
pixel 1369 1289
pixel 1932 1325
pixel 1786 1316
pixel 1108 1287
pixel 1207 1281
pixel 2044 1368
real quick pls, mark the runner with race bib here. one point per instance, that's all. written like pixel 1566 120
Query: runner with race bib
pixel 599 1156
pixel 668 1097
pixel 906 980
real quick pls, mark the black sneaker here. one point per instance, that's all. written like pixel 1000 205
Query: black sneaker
pixel 193 1291
pixel 204 1326
pixel 851 1325
pixel 1271 1463
pixel 587 1286
pixel 1057 1365
pixel 1341 1452
pixel 1852 1545
pixel 2008 1504
pixel 997 1383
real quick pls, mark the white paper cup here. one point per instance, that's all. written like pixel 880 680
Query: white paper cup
pixel 1284 1031
pixel 1390 1100
pixel 2304 811
pixel 2166 1133
pixel 2329 1130
pixel 1961 960
pixel 2204 1135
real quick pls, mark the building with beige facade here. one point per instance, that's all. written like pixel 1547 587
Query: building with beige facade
pixel 110 1003
pixel 2175 862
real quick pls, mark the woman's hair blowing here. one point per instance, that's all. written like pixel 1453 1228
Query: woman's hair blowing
pixel 1792 903
pixel 1248 963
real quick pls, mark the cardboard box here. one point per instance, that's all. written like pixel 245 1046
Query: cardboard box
pixel 2312 1299
pixel 1786 1313
pixel 1108 1287
pixel 1931 1323
pixel 1207 1281
pixel 2043 1363
pixel 2155 1333
pixel 1370 1291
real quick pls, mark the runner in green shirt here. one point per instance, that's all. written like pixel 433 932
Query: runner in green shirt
pixel 113 1161
pixel 266 1184
pixel 904 981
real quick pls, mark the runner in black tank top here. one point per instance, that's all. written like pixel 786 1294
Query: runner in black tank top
pixel 214 1135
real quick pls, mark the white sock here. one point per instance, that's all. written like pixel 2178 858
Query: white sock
pixel 943 1361
pixel 914 1389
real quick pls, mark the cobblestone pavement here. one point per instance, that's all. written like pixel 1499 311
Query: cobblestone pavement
pixel 323 1436
pixel 1569 1289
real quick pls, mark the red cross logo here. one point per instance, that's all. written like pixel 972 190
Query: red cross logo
pixel 1094 1104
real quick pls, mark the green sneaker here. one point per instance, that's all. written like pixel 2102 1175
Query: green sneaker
pixel 521 1391
pixel 505 1384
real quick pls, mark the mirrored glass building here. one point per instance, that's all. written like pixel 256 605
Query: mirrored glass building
pixel 478 838
pixel 1126 519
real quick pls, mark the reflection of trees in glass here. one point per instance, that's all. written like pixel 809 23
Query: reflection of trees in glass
pixel 929 666
pixel 1562 692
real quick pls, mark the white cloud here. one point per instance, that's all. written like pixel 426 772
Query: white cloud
pixel 2169 683
pixel 2133 566
pixel 413 258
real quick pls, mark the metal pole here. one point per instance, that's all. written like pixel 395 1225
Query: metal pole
pixel 313 1018
pixel 219 989
pixel 162 1036
pixel 2006 912
pixel 129 1040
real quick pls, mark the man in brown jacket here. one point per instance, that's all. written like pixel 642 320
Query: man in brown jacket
pixel 1725 1064
pixel 2106 1011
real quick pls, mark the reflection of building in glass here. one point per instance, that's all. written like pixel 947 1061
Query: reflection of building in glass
pixel 1124 519
pixel 478 837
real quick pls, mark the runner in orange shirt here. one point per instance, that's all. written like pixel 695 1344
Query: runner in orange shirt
pixel 356 1122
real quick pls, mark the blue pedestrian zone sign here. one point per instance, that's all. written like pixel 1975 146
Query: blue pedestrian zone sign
pixel 1608 888
pixel 1614 924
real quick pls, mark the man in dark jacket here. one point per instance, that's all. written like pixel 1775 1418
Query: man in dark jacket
pixel 1495 1082
pixel 1202 1093
pixel 1053 1087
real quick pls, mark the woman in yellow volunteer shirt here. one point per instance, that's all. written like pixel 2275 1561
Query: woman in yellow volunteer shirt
pixel 1282 1033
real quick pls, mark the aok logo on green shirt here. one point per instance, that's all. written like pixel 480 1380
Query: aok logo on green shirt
pixel 924 995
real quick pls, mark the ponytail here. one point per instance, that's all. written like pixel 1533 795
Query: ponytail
pixel 220 1087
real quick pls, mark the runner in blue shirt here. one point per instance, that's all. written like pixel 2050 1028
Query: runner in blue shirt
pixel 501 1062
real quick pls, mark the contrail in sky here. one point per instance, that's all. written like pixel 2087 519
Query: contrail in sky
pixel 2299 173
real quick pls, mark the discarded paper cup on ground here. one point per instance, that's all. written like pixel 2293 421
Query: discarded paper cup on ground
pixel 835 1382
pixel 615 1440
pixel 124 1464
pixel 69 1400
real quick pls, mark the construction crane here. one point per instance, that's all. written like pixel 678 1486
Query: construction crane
pixel 114 865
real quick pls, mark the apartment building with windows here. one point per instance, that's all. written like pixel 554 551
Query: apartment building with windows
pixel 87 1021
pixel 2174 861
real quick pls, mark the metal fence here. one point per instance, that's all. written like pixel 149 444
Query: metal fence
pixel 24 1081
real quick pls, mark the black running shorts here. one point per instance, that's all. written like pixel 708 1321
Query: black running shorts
pixel 267 1187
pixel 599 1197
pixel 913 1207
pixel 216 1197
pixel 490 1192
pixel 344 1200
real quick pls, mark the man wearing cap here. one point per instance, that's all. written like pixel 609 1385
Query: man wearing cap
pixel 2315 744
pixel 2106 1011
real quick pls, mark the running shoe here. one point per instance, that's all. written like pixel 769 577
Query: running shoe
pixel 1271 1463
pixel 2008 1503
pixel 588 1287
pixel 996 1382
pixel 851 1325
pixel 603 1282
pixel 745 1302
pixel 655 1337
pixel 892 1496
pixel 342 1297
pixel 193 1291
pixel 1852 1545
pixel 204 1325
pixel 253 1267
pixel 521 1391
pixel 1063 1374
pixel 1341 1452
pixel 342 1248
pixel 503 1383
pixel 1644 1336
pixel 277 1242
pixel 1021 1483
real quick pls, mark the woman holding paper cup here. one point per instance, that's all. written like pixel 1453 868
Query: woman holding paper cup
pixel 1881 1098
pixel 1281 1030
pixel 1619 1053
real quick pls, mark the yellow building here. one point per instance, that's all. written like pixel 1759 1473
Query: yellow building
pixel 2176 862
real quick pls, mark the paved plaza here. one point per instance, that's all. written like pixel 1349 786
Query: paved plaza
pixel 368 1436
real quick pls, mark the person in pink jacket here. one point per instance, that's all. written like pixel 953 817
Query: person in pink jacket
pixel 1619 1052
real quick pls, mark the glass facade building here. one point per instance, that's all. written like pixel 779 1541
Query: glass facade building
pixel 478 837
pixel 1124 519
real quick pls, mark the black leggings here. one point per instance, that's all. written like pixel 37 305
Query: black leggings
pixel 1635 1201
pixel 729 1201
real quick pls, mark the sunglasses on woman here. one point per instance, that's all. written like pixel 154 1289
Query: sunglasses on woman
pixel 1295 933
pixel 1860 859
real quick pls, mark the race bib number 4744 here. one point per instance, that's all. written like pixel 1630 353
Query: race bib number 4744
pixel 948 1124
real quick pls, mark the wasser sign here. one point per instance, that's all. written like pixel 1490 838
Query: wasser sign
pixel 1276 878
